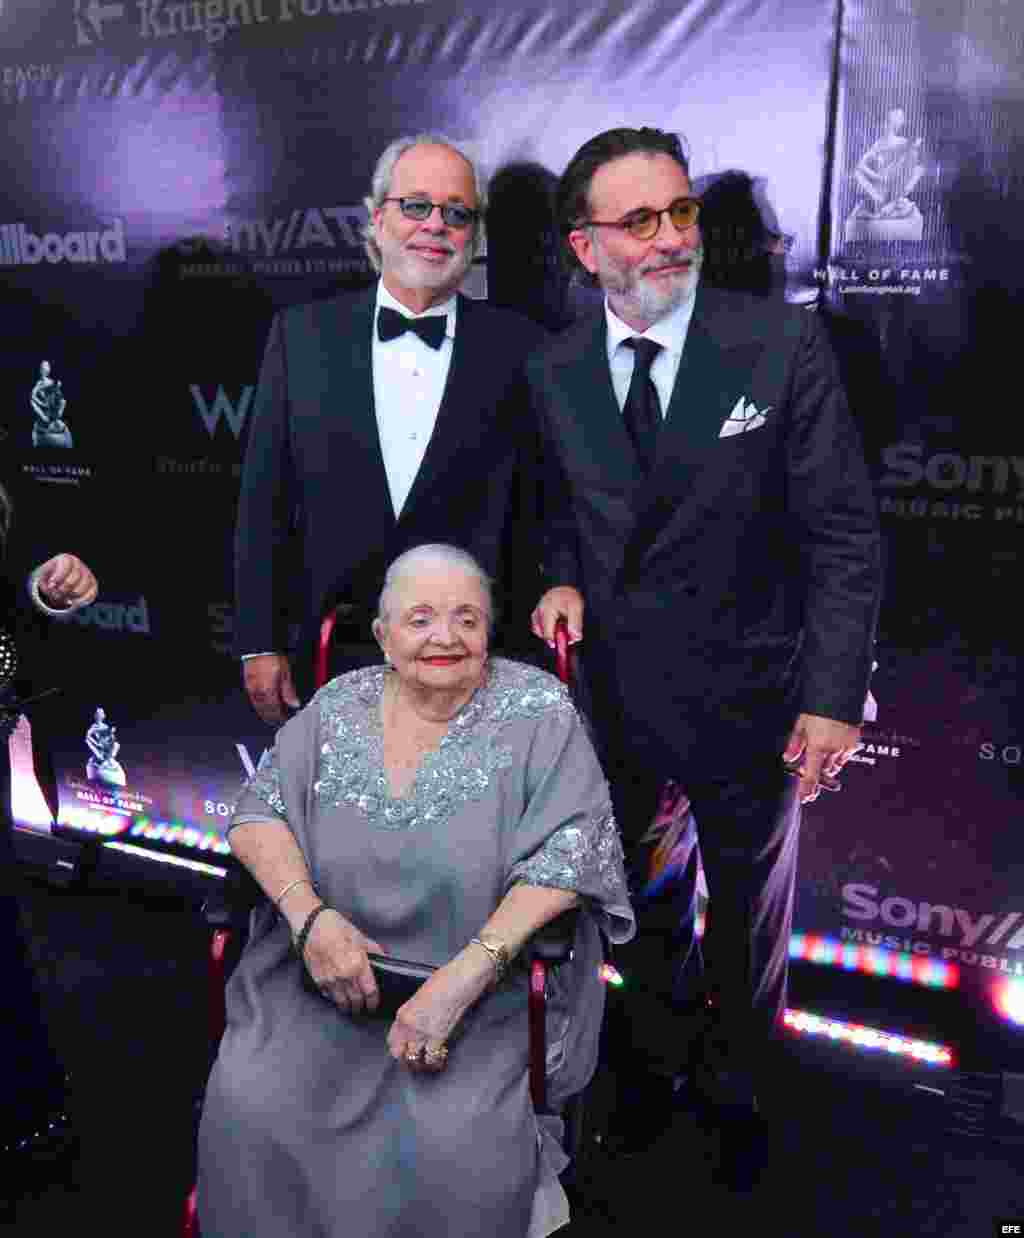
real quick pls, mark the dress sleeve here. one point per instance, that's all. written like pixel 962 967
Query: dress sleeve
pixel 278 790
pixel 567 837
pixel 260 798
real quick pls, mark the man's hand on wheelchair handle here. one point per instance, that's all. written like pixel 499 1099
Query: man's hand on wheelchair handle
pixel 562 602
pixel 269 687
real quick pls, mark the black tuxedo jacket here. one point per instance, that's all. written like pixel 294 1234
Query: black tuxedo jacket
pixel 315 521
pixel 739 585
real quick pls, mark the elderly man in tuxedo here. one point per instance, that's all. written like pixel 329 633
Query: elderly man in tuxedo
pixel 382 420
pixel 712 538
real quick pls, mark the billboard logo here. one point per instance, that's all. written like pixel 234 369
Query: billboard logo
pixel 89 18
pixel 222 407
pixel 115 616
pixel 20 247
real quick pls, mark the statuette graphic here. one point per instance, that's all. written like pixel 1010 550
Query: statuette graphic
pixel 887 174
pixel 49 429
pixel 102 742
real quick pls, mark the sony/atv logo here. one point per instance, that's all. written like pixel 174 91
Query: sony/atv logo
pixel 20 247
pixel 315 228
pixel 860 902
pixel 221 406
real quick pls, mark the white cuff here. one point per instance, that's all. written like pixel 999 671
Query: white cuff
pixel 61 612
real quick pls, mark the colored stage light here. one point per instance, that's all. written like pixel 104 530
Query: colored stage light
pixel 94 821
pixel 805 1023
pixel 1009 1000
pixel 874 961
pixel 180 835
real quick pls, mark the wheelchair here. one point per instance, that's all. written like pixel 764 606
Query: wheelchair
pixel 227 914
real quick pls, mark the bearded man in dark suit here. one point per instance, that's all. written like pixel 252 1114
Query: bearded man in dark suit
pixel 713 540
pixel 382 420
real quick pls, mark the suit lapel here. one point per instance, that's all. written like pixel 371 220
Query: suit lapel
pixel 597 442
pixel 715 369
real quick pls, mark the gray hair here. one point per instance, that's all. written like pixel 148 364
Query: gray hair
pixel 433 552
pixel 380 187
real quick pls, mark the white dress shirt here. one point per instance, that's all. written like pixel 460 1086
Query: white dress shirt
pixel 408 382
pixel 670 332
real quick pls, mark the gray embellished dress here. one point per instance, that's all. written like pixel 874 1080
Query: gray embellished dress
pixel 310 1129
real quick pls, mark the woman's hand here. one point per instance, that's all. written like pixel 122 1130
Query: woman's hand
pixel 418 1037
pixel 335 957
pixel 65 581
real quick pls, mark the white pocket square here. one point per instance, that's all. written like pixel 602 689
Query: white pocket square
pixel 743 417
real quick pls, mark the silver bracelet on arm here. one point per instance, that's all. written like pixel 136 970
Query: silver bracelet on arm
pixel 498 952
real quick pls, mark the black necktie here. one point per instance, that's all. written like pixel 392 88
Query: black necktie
pixel 642 410
pixel 391 324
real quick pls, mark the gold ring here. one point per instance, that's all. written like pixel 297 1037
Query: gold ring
pixel 436 1057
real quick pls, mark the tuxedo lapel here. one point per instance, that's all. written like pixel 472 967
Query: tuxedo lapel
pixel 715 367
pixel 355 454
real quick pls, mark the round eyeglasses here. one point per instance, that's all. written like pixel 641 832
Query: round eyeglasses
pixel 454 214
pixel 643 223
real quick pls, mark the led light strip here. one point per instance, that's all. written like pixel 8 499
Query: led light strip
pixel 805 1023
pixel 181 835
pixel 874 961
pixel 164 857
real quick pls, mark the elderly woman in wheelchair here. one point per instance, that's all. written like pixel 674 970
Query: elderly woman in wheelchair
pixel 415 825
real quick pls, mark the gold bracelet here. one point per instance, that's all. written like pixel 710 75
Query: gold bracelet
pixel 299 881
pixel 498 952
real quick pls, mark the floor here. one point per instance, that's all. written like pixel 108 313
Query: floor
pixel 858 1147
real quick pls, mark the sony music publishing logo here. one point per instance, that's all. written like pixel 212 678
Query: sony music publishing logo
pixel 951 486
pixel 19 246
pixel 1001 753
pixel 308 240
pixel 935 929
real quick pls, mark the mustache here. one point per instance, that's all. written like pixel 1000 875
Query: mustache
pixel 694 256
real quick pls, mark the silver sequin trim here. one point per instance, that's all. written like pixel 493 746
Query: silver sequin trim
pixel 585 857
pixel 461 769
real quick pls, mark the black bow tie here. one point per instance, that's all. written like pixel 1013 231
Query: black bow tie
pixel 391 324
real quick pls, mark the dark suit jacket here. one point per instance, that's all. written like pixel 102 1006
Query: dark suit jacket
pixel 740 585
pixel 315 521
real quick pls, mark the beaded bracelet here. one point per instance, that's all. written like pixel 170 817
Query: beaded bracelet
pixel 302 935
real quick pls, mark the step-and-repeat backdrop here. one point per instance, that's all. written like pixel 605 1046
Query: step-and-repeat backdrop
pixel 177 171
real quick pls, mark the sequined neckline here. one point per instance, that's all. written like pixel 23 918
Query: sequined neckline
pixel 351 769
pixel 457 727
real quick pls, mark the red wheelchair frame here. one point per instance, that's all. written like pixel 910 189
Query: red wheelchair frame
pixel 550 946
